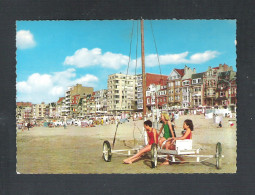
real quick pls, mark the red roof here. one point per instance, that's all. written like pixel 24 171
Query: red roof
pixel 24 104
pixel 215 68
pixel 155 79
pixel 60 99
pixel 180 71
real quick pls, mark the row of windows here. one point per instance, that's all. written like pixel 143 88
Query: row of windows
pixel 121 77
pixel 174 77
pixel 152 101
pixel 171 98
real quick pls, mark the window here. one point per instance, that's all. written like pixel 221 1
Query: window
pixel 148 100
pixel 185 83
pixel 222 93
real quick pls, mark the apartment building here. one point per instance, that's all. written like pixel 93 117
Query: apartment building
pixel 150 79
pixel 24 110
pixel 78 89
pixel 39 111
pixel 178 87
pixel 186 93
pixel 60 107
pixel 52 110
pixel 197 98
pixel 101 101
pixel 210 80
pixel 174 87
pixel 151 96
pixel 90 104
pixel 186 87
pixel 226 90
pixel 121 92
pixel 75 102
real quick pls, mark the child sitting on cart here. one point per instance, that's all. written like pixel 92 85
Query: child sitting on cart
pixel 168 131
pixel 188 127
pixel 152 138
pixel 186 134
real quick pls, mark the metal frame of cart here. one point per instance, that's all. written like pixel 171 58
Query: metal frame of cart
pixel 184 149
pixel 107 151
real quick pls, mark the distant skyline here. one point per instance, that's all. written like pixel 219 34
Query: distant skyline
pixel 53 55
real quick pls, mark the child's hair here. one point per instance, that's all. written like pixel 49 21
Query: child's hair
pixel 166 116
pixel 189 123
pixel 148 123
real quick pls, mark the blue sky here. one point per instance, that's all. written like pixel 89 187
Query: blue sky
pixel 52 55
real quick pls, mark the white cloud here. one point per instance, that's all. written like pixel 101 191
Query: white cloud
pixel 25 39
pixel 235 42
pixel 86 58
pixel 49 88
pixel 199 58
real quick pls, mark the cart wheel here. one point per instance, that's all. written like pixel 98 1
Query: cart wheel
pixel 154 155
pixel 218 155
pixel 107 153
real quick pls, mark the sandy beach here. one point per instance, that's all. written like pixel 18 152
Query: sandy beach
pixel 77 150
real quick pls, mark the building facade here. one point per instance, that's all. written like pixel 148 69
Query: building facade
pixel 71 94
pixel 150 79
pixel 101 101
pixel 24 110
pixel 210 80
pixel 197 98
pixel 121 93
pixel 226 90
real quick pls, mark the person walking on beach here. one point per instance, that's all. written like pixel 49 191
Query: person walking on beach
pixel 28 126
pixel 152 138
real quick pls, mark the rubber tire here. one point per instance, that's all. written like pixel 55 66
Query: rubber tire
pixel 218 155
pixel 108 156
pixel 154 155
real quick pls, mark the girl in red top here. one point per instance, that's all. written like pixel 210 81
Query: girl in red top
pixel 188 127
pixel 152 138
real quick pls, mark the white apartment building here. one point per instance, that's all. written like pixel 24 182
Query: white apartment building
pixel 139 84
pixel 121 92
pixel 67 109
pixel 39 110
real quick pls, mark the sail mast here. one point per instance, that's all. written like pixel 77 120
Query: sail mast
pixel 143 70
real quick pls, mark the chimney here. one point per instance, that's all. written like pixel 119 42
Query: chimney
pixel 185 69
pixel 194 71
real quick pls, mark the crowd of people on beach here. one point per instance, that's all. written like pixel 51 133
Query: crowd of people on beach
pixel 82 122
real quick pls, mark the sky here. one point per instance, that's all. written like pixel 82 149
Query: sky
pixel 54 55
